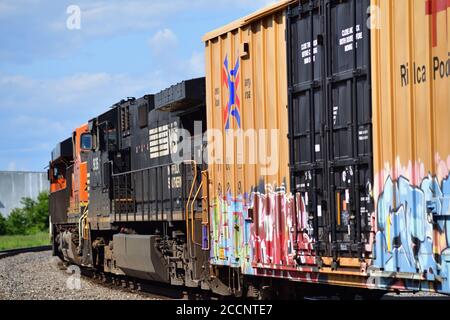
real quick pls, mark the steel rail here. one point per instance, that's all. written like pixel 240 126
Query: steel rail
pixel 15 252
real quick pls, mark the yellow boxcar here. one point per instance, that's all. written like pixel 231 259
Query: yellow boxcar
pixel 329 150
pixel 411 112
pixel 246 86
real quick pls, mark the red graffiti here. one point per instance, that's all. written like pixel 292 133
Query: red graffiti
pixel 433 7
pixel 274 232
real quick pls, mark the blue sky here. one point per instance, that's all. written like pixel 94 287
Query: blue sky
pixel 53 79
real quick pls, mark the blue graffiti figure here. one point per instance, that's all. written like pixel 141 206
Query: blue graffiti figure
pixel 231 80
pixel 408 218
pixel 405 232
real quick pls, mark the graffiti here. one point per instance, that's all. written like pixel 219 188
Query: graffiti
pixel 257 230
pixel 228 217
pixel 413 228
pixel 269 233
pixel 432 8
pixel 415 171
pixel 230 79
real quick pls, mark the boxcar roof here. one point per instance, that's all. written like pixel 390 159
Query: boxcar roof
pixel 248 19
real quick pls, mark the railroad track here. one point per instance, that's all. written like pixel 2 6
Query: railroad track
pixel 134 285
pixel 122 283
pixel 165 291
pixel 15 252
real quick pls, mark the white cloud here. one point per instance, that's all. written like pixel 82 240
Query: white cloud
pixel 12 166
pixel 32 149
pixel 197 64
pixel 76 89
pixel 45 22
pixel 163 42
pixel 38 126
pixel 107 18
pixel 16 81
pixel 39 112
pixel 100 18
pixel 5 8
pixel 41 108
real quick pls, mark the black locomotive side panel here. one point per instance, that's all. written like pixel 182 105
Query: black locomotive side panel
pixel 104 130
pixel 139 122
pixel 156 186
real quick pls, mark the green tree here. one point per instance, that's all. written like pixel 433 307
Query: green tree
pixel 31 218
pixel 17 223
pixel 37 213
pixel 2 225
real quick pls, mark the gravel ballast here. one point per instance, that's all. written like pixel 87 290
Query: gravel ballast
pixel 38 276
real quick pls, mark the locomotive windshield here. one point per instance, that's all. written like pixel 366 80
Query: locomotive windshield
pixel 86 142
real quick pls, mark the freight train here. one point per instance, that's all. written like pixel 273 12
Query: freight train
pixel 311 153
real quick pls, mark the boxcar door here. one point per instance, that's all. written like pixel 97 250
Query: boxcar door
pixel 331 135
pixel 306 122
pixel 350 124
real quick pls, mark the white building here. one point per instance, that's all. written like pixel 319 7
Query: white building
pixel 17 185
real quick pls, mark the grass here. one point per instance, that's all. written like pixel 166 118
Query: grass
pixel 17 242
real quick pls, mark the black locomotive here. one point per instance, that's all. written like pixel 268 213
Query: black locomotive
pixel 144 181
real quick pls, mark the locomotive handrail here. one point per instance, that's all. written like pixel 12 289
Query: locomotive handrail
pixel 194 164
pixel 80 224
pixel 186 201
pixel 193 214
pixel 141 170
pixel 205 218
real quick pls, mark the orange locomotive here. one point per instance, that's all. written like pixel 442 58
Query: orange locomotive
pixel 69 194
pixel 68 171
pixel 80 195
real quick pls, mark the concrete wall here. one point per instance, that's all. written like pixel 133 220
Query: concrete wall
pixel 16 185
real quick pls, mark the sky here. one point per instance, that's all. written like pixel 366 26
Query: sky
pixel 58 71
